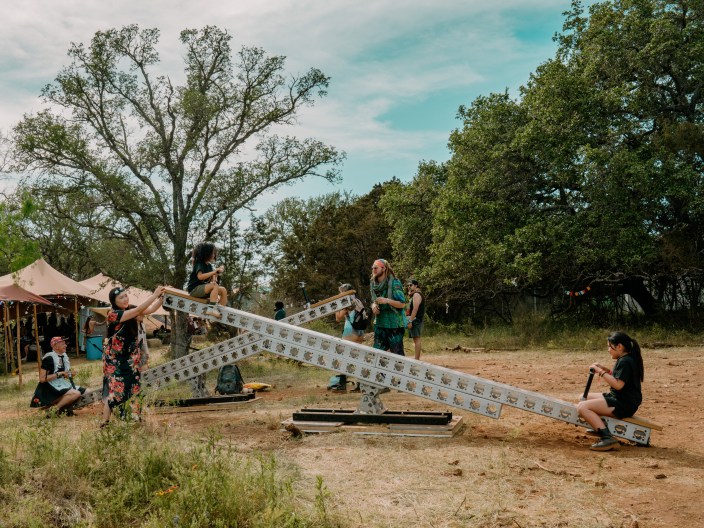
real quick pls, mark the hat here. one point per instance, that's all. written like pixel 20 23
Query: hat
pixel 56 340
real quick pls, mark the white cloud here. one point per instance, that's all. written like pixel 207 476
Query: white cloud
pixel 381 54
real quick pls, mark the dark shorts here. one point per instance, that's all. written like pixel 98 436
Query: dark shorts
pixel 415 330
pixel 390 339
pixel 621 409
pixel 198 291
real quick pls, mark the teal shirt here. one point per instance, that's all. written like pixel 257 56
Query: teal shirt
pixel 390 317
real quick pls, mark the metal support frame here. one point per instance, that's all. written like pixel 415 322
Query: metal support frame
pixel 376 370
pixel 388 417
pixel 380 369
pixel 191 367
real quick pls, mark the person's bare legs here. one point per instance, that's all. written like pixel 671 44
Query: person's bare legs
pixel 417 346
pixel 213 291
pixel 592 409
pixel 222 292
pixel 106 412
pixel 66 399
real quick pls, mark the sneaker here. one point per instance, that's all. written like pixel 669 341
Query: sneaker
pixel 338 388
pixel 212 312
pixel 605 444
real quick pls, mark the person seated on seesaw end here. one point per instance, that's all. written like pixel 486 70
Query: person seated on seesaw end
pixel 203 281
pixel 56 385
pixel 625 396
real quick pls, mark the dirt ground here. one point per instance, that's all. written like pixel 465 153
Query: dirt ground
pixel 522 470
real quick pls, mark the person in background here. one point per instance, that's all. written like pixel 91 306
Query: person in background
pixel 56 387
pixel 142 339
pixel 279 312
pixel 625 396
pixel 88 329
pixel 415 312
pixel 388 303
pixel 203 281
pixel 122 360
pixel 348 333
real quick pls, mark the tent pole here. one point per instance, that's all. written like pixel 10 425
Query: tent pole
pixel 19 355
pixel 75 318
pixel 4 336
pixel 36 339
pixel 9 354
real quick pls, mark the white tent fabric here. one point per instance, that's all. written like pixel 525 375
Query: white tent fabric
pixel 41 279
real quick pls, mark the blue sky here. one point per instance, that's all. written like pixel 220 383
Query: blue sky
pixel 400 69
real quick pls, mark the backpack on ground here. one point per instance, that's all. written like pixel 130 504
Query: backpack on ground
pixel 360 319
pixel 230 380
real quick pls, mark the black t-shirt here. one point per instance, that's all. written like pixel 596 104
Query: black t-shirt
pixel 49 366
pixel 193 280
pixel 626 370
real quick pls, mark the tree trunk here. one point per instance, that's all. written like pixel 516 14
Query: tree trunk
pixel 180 340
pixel 636 288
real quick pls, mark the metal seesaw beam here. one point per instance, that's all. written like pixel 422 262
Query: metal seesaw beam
pixel 383 369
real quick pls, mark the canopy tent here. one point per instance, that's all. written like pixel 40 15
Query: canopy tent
pixel 100 286
pixel 41 279
pixel 13 293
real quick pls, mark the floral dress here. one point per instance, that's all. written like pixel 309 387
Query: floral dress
pixel 122 364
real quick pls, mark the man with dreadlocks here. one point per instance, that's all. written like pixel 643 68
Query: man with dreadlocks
pixel 388 303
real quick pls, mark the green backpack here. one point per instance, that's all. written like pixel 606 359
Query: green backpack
pixel 229 380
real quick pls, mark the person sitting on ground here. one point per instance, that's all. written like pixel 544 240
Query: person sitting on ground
pixel 279 312
pixel 203 281
pixel 56 387
pixel 625 396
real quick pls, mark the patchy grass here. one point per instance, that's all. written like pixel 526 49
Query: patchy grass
pixel 222 467
pixel 127 475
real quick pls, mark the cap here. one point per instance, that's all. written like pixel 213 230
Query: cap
pixel 56 340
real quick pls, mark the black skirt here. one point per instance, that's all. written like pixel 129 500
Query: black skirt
pixel 45 394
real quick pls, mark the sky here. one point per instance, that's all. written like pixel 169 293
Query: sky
pixel 399 69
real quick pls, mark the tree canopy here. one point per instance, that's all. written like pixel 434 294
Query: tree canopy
pixel 159 166
pixel 593 177
pixel 325 241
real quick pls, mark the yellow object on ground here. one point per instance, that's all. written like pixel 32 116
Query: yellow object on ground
pixel 255 386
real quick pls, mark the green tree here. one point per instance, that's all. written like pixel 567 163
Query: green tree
pixel 169 165
pixel 592 177
pixel 16 250
pixel 325 241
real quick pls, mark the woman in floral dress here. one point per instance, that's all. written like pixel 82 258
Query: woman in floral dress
pixel 122 361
